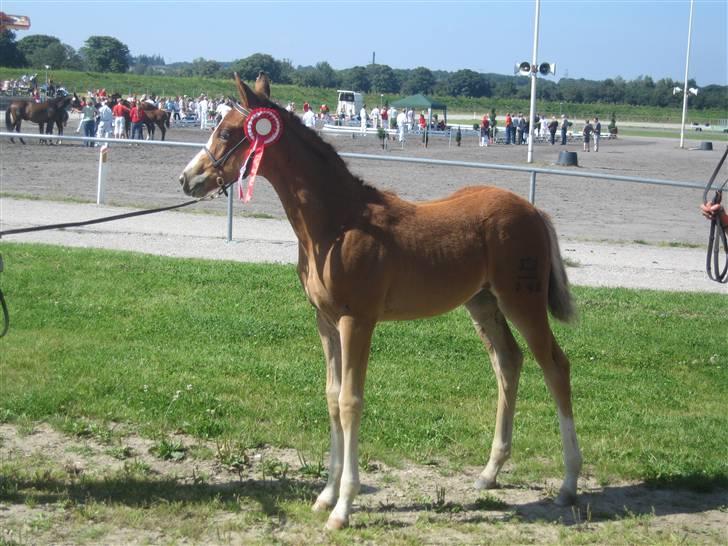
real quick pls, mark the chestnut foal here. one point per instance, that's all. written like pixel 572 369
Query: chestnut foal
pixel 366 256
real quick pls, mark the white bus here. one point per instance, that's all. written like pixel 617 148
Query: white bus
pixel 350 103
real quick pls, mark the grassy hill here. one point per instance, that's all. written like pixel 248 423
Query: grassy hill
pixel 128 84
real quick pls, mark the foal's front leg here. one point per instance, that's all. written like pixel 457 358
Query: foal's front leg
pixel 356 337
pixel 332 351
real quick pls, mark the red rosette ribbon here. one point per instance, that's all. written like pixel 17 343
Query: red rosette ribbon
pixel 263 127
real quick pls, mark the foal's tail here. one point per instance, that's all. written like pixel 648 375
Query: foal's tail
pixel 561 304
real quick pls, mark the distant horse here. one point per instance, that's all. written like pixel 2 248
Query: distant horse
pixel 155 116
pixel 45 114
pixel 366 255
pixel 61 121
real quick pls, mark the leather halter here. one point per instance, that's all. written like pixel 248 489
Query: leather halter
pixel 218 163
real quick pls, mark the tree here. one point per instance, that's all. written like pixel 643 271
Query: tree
pixel 321 75
pixel 286 71
pixel 74 61
pixel 505 89
pixel 420 80
pixel 40 50
pixel 30 45
pixel 249 67
pixel 106 54
pixel 383 78
pixel 468 83
pixel 570 90
pixel 10 55
pixel 355 78
pixel 326 74
pixel 205 68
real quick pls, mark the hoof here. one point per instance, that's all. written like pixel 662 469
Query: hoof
pixel 336 524
pixel 482 483
pixel 565 498
pixel 321 506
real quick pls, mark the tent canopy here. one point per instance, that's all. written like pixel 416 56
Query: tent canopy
pixel 419 102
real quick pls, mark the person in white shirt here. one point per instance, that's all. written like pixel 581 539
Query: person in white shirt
pixel 375 117
pixel 410 119
pixel 106 121
pixel 363 120
pixel 203 109
pixel 308 118
pixel 401 124
pixel 392 116
pixel 221 111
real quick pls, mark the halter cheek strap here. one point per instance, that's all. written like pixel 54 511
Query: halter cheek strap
pixel 263 126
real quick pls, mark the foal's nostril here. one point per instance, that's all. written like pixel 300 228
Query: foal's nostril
pixel 182 179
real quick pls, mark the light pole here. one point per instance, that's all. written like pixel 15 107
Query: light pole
pixel 46 79
pixel 532 114
pixel 685 88
pixel 690 91
pixel 532 69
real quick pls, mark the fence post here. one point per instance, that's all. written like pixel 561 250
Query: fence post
pixel 101 180
pixel 532 189
pixel 231 190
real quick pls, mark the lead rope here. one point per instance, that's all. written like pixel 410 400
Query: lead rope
pixel 717 234
pixel 6 314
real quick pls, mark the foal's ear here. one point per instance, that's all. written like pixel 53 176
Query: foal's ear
pixel 262 85
pixel 247 95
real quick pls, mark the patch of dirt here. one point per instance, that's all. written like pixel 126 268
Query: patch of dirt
pixel 51 486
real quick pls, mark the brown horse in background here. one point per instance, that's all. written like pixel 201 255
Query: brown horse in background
pixel 367 255
pixel 45 114
pixel 155 116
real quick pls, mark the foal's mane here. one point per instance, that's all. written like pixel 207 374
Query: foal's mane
pixel 315 145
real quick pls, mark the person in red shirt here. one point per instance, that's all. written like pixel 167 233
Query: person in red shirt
pixel 510 132
pixel 120 113
pixel 137 121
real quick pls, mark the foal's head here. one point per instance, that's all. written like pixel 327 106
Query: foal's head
pixel 219 162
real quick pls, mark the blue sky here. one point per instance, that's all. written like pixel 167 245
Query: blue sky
pixel 586 39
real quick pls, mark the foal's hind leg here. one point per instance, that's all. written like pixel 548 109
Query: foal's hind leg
pixel 506 359
pixel 534 325
pixel 332 351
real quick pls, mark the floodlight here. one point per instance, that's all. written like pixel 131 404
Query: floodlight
pixel 523 69
pixel 547 68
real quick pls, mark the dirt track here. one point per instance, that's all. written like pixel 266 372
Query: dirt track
pixel 582 208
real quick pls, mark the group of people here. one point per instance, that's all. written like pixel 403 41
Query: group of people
pixel 208 111
pixel 102 117
pixel 517 130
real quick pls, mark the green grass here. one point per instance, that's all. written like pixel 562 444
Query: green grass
pixel 675 134
pixel 220 350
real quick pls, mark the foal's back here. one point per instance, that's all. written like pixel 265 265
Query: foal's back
pixel 438 254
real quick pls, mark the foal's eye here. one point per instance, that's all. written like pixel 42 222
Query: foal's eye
pixel 224 134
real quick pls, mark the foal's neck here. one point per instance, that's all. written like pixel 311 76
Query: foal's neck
pixel 318 192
